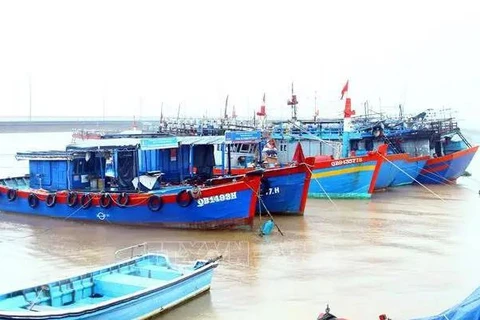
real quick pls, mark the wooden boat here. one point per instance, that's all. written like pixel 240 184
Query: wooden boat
pixel 74 184
pixel 137 288
pixel 447 168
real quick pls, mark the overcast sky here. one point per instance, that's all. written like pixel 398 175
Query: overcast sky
pixel 137 54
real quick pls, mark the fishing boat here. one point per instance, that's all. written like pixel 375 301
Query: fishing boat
pixel 352 177
pixel 389 168
pixel 137 288
pixel 447 168
pixel 399 169
pixel 349 177
pixel 408 170
pixel 154 182
pixel 419 136
pixel 284 188
pixel 448 152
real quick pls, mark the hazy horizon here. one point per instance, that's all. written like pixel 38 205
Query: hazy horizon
pixel 126 59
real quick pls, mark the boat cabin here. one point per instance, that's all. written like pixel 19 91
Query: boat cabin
pixel 123 164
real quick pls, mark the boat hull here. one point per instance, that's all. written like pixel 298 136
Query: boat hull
pixel 389 169
pixel 353 177
pixel 446 169
pixel 285 190
pixel 140 304
pixel 409 169
pixel 228 205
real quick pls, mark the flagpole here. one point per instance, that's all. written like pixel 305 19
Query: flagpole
pixel 347 122
pixel 30 95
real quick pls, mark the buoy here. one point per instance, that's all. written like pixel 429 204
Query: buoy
pixel 267 227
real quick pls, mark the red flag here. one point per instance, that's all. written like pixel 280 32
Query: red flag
pixel 344 90
pixel 298 156
pixel 262 111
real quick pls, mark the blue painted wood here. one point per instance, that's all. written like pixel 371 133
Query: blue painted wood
pixel 135 288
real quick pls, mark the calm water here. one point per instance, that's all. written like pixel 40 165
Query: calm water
pixel 404 252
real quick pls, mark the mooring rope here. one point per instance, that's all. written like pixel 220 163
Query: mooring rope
pixel 260 201
pixel 323 189
pixel 403 171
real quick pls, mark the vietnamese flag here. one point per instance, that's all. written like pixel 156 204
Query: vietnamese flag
pixel 344 90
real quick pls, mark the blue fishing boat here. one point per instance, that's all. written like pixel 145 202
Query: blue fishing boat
pixel 408 170
pixel 137 288
pixel 352 177
pixel 284 187
pixel 468 309
pixel 447 168
pixel 389 169
pixel 154 182
pixel 399 169
pixel 440 139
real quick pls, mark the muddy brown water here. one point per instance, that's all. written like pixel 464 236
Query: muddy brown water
pixel 404 252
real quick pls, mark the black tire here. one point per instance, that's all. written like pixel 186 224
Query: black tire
pixel 32 200
pixel 51 200
pixel 155 203
pixel 72 199
pixel 183 203
pixel 123 199
pixel 86 200
pixel 105 200
pixel 11 194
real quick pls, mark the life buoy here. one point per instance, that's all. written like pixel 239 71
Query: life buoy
pixel 123 199
pixel 182 202
pixel 155 203
pixel 51 200
pixel 196 192
pixel 105 200
pixel 72 199
pixel 86 200
pixel 32 200
pixel 11 194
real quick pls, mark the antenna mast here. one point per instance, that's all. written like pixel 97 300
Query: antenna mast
pixel 293 103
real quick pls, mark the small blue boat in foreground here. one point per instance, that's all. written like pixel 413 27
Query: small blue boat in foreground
pixel 468 309
pixel 137 288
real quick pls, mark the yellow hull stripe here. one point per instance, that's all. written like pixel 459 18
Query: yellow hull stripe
pixel 332 173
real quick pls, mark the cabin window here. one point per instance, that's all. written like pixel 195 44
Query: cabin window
pixel 245 148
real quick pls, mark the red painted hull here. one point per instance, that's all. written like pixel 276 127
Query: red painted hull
pixel 447 169
pixel 224 205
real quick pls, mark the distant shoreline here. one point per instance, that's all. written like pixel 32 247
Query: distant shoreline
pixel 64 126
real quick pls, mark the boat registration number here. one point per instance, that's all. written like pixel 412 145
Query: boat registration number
pixel 220 198
pixel 271 191
pixel 346 161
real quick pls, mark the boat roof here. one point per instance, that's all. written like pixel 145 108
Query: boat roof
pixel 165 142
pixel 196 140
pixel 44 155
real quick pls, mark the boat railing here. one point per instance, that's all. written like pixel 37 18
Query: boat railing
pixel 133 249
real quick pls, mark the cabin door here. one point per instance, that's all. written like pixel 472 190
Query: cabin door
pixel 126 169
